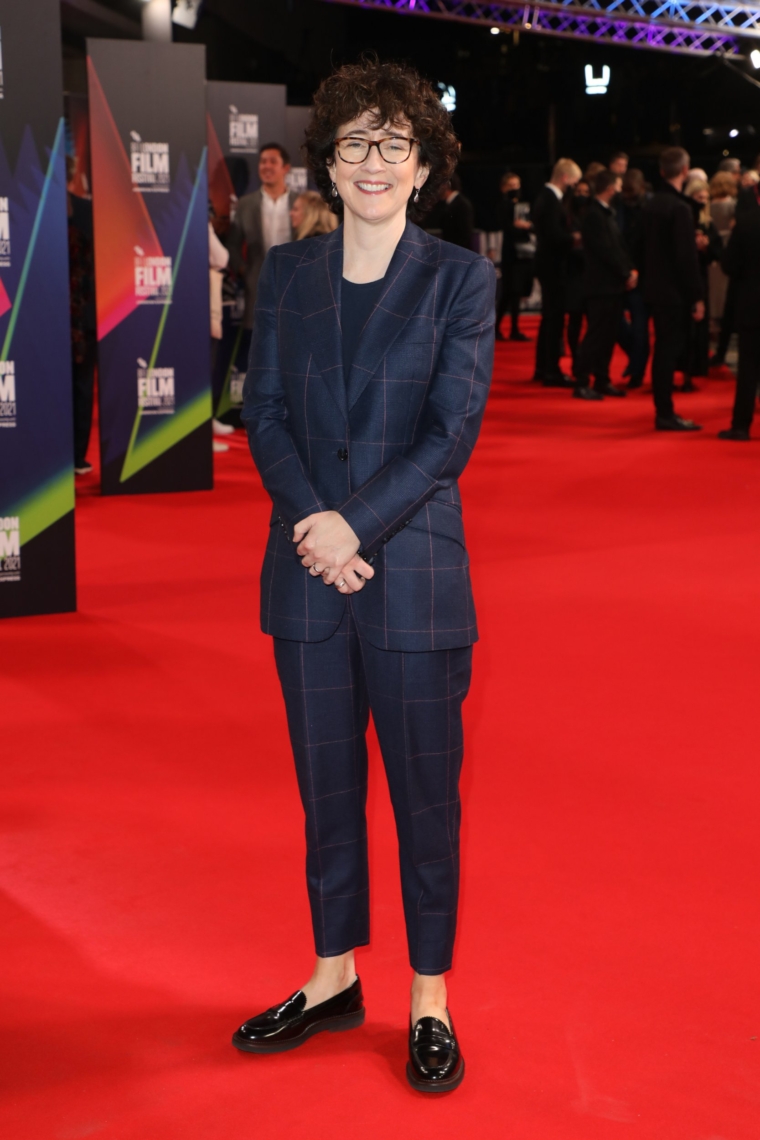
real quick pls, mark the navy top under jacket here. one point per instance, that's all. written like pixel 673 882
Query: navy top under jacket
pixel 384 447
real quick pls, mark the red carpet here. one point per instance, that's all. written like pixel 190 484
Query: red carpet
pixel 606 980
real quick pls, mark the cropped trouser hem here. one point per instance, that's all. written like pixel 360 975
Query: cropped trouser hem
pixel 416 703
pixel 344 950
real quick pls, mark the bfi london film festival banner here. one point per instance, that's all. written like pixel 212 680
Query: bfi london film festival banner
pixel 37 570
pixel 240 118
pixel 150 215
pixel 243 117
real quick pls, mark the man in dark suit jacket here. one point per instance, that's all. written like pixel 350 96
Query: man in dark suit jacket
pixel 672 283
pixel 607 274
pixel 453 218
pixel 262 219
pixel 741 261
pixel 554 241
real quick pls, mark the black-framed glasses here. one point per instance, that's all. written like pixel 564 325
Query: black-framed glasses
pixel 394 148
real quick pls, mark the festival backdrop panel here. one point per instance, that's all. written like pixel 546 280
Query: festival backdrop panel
pixel 241 118
pixel 37 572
pixel 150 214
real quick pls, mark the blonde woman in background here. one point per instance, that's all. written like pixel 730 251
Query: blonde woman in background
pixel 709 250
pixel 722 210
pixel 310 216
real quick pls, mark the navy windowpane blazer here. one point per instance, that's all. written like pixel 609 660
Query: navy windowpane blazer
pixel 384 446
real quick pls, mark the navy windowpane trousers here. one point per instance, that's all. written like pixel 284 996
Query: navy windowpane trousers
pixel 416 702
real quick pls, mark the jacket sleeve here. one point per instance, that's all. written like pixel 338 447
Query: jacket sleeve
pixel 599 241
pixel 714 250
pixel 548 220
pixel 266 416
pixel 687 261
pixel 453 411
pixel 732 261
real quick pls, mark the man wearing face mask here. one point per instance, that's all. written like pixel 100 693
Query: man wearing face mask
pixel 517 251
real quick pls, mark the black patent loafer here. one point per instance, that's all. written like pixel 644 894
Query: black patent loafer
pixel 288 1025
pixel 435 1062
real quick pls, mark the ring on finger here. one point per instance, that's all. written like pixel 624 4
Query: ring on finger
pixel 342 583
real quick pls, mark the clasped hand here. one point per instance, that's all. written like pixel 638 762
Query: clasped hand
pixel 327 547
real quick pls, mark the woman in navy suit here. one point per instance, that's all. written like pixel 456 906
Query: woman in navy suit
pixel 369 373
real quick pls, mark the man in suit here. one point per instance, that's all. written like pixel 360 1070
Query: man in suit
pixel 554 241
pixel 453 216
pixel 262 220
pixel 741 261
pixel 672 284
pixel 607 274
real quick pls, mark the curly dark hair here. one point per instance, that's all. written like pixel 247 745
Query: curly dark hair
pixel 395 92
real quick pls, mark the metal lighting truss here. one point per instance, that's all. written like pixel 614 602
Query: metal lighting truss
pixel 686 27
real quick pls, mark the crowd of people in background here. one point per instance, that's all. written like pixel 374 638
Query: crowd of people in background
pixel 612 254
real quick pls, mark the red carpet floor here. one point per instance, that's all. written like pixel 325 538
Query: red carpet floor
pixel 606 979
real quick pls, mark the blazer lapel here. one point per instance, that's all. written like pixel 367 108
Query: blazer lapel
pixel 409 272
pixel 319 298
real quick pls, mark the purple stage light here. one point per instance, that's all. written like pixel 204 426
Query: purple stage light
pixel 684 27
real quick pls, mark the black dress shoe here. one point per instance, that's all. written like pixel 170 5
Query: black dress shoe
pixel 675 423
pixel 735 433
pixel 288 1025
pixel 635 382
pixel 581 392
pixel 517 335
pixel 435 1062
pixel 609 390
pixel 558 381
pixel 687 386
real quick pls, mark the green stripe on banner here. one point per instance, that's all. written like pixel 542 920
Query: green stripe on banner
pixel 140 454
pixel 32 243
pixel 175 428
pixel 225 403
pixel 45 506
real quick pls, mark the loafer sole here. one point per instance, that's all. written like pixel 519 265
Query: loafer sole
pixel 434 1086
pixel 330 1024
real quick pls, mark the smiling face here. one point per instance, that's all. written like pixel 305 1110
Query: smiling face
pixel 272 169
pixel 375 189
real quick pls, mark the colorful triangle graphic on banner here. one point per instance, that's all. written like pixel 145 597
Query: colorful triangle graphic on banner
pixel 122 222
pixel 220 188
pixel 5 301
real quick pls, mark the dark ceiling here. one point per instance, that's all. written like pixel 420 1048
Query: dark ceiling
pixel 509 90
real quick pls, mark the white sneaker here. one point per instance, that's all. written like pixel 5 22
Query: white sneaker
pixel 217 446
pixel 219 428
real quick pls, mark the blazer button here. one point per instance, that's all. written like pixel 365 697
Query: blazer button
pixel 342 454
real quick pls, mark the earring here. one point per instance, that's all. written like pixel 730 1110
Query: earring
pixel 416 196
pixel 334 191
